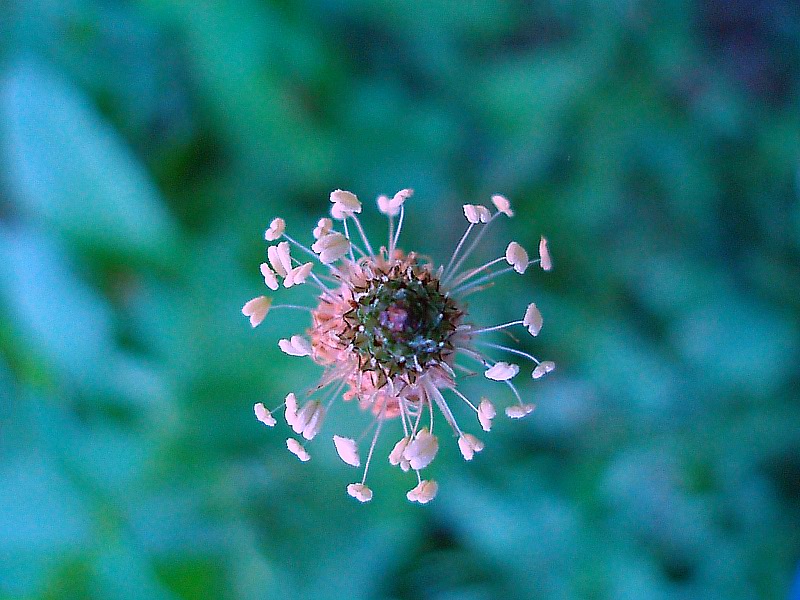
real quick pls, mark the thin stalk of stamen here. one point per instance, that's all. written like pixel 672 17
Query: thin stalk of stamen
pixel 470 274
pixel 335 395
pixel 374 441
pixel 481 280
pixel 396 237
pixel 469 372
pixel 475 242
pixel 419 477
pixel 446 273
pixel 462 288
pixel 516 393
pixel 474 355
pixel 495 328
pixel 511 350
pixel 445 409
pixel 302 247
pixel 416 424
pixel 313 275
pixel 403 416
pixel 475 290
pixel 347 235
pixel 464 398
pixel 391 235
pixel 364 238
pixel 366 430
pixel 291 306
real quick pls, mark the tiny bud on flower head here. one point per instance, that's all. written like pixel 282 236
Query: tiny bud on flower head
pixel 533 319
pixel 270 278
pixel 421 450
pixel 544 254
pixel 543 368
pixel 502 371
pixel 517 411
pixel 469 445
pixel 297 449
pixel 257 309
pixel 331 247
pixel 276 229
pixel 517 257
pixel 424 492
pixel 476 213
pixel 347 450
pixel 360 492
pixel 486 412
pixel 295 346
pixel 263 415
pixel 503 205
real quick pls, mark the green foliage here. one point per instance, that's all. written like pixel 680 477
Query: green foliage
pixel 145 146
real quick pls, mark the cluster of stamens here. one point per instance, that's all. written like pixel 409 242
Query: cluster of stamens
pixel 392 331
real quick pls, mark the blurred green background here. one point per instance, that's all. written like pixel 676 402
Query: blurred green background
pixel 144 147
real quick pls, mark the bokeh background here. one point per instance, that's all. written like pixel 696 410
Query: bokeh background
pixel 144 147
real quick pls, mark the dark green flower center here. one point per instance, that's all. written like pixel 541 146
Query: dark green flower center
pixel 401 322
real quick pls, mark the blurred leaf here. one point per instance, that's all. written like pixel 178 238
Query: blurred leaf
pixel 66 167
pixel 55 313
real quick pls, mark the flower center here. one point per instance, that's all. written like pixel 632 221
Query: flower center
pixel 395 318
pixel 401 322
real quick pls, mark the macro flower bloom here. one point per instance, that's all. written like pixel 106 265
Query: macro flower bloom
pixel 392 332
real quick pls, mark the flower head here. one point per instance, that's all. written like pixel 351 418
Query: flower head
pixel 391 331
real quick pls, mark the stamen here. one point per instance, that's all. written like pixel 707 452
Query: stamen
pixel 463 239
pixel 516 393
pixel 292 306
pixel 470 274
pixel 352 245
pixel 511 350
pixel 374 441
pixel 364 238
pixel 475 242
pixel 442 404
pixel 302 247
pixel 489 277
pixel 496 327
pixel 464 398
pixel 397 233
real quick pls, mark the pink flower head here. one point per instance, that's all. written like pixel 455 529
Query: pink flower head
pixel 392 333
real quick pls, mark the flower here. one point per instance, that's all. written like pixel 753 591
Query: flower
pixel 392 332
